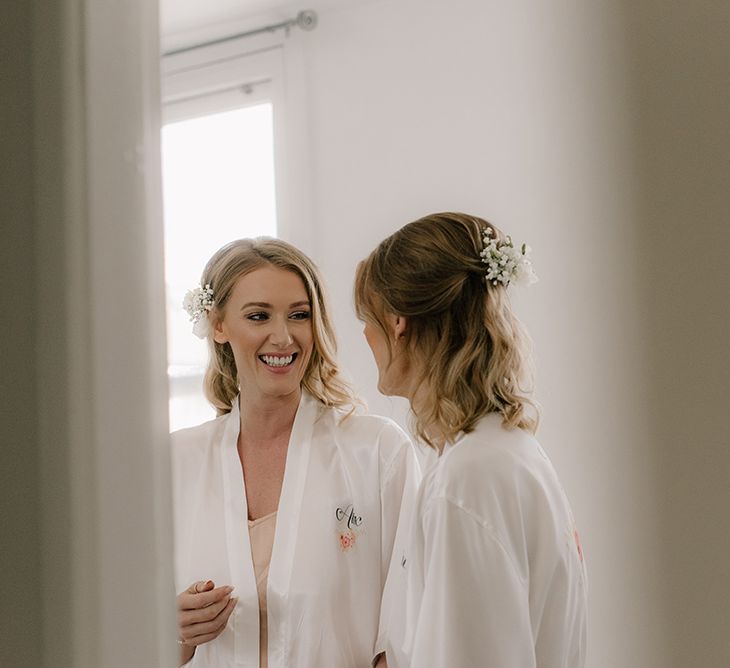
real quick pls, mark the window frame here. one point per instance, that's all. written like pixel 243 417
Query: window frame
pixel 230 75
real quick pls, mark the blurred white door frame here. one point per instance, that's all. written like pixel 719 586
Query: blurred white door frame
pixel 107 592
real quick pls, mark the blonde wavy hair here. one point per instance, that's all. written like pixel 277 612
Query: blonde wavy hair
pixel 322 377
pixel 469 352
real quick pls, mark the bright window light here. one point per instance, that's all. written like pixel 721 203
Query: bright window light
pixel 218 185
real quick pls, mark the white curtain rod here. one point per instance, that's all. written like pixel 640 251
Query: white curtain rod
pixel 306 20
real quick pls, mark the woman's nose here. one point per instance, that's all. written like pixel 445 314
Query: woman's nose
pixel 280 336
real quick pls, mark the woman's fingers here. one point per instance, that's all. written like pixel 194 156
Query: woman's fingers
pixel 205 614
pixel 194 601
pixel 200 586
pixel 202 612
pixel 202 632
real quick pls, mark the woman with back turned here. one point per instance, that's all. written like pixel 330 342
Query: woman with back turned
pixel 493 575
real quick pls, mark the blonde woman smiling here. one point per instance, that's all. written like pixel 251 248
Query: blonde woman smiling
pixel 493 575
pixel 287 505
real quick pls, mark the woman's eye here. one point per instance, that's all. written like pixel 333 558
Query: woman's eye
pixel 257 317
pixel 300 315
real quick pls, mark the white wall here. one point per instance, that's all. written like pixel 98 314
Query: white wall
pixel 519 112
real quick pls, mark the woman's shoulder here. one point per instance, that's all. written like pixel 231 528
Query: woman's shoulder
pixel 493 454
pixel 492 440
pixel 362 424
pixel 368 434
pixel 199 436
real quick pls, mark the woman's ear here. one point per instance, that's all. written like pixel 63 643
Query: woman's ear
pixel 397 326
pixel 219 335
pixel 401 325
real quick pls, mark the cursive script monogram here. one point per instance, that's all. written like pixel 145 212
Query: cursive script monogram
pixel 348 512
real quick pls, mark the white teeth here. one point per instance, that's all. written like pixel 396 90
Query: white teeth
pixel 277 361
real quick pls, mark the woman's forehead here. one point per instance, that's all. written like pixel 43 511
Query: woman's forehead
pixel 270 285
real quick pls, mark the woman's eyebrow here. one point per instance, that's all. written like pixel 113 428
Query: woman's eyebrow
pixel 256 304
pixel 267 305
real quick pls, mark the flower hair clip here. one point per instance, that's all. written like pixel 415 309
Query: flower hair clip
pixel 505 263
pixel 197 303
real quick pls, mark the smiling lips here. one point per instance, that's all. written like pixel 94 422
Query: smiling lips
pixel 278 361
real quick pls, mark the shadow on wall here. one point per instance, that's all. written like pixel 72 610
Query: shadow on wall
pixel 681 86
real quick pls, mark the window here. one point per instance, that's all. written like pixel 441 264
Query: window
pixel 218 185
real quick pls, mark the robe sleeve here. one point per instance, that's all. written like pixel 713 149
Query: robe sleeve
pixel 399 486
pixel 475 606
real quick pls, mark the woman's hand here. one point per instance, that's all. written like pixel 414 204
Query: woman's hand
pixel 202 613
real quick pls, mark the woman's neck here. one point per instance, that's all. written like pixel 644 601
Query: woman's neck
pixel 417 397
pixel 266 418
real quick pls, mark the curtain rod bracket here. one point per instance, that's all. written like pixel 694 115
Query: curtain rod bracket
pixel 307 19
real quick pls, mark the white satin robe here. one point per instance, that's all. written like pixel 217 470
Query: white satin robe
pixel 346 485
pixel 493 575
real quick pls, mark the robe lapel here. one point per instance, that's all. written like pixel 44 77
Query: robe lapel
pixel 245 617
pixel 288 523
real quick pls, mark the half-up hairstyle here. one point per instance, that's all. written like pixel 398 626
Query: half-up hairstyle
pixel 473 352
pixel 322 378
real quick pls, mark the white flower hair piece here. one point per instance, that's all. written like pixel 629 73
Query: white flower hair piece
pixel 505 263
pixel 197 303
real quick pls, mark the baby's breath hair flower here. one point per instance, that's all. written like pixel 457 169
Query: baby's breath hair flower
pixel 197 303
pixel 505 263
